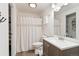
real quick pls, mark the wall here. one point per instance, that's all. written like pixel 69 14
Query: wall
pixel 13 27
pixel 57 27
pixel 48 29
pixel 4 40
pixel 61 16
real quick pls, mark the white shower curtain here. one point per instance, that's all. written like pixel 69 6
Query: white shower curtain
pixel 29 30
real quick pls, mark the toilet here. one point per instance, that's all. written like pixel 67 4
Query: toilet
pixel 38 47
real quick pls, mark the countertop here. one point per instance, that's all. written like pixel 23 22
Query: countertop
pixel 60 43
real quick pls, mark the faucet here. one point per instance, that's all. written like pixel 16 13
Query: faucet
pixel 61 38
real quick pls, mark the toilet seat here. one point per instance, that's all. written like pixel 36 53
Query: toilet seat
pixel 37 44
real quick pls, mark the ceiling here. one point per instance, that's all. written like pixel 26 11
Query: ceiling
pixel 67 7
pixel 24 7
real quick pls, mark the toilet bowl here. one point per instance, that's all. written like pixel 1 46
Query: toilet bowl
pixel 38 47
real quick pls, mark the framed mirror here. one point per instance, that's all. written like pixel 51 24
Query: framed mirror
pixel 71 25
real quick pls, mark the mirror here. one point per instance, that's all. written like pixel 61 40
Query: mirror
pixel 71 25
pixel 66 21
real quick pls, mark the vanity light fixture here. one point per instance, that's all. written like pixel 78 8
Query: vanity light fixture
pixel 32 5
pixel 57 6
pixel 65 4
pixel 53 5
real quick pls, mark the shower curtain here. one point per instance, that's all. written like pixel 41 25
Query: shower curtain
pixel 29 30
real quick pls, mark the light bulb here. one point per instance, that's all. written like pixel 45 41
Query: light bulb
pixel 32 5
pixel 57 8
pixel 65 4
pixel 53 5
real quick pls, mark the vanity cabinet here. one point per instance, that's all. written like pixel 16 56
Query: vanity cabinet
pixel 51 50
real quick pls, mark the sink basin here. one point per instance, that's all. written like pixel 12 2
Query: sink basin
pixel 61 38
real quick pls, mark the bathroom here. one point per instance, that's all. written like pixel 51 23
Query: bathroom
pixel 45 21
pixel 43 29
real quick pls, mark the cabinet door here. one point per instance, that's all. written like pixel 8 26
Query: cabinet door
pixel 46 47
pixel 50 50
pixel 53 51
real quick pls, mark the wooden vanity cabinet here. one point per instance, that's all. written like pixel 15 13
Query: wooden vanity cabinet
pixel 45 48
pixel 51 50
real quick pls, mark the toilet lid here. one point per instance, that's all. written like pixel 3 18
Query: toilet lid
pixel 38 43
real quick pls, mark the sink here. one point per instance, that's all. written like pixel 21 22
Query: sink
pixel 61 42
pixel 61 38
